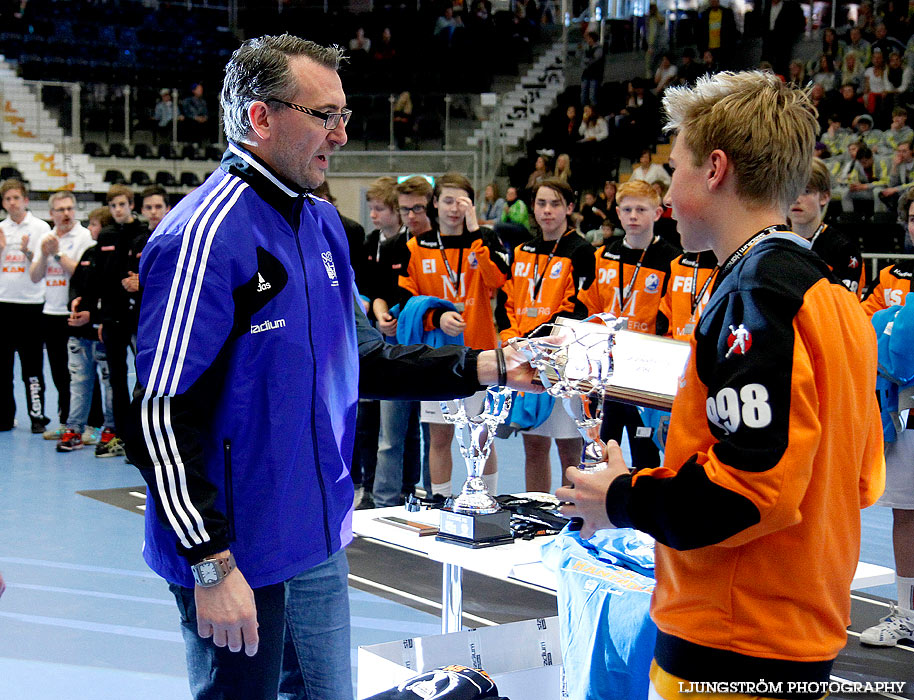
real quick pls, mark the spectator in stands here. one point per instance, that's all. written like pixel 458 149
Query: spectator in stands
pixel 540 173
pixel 849 105
pixel 396 433
pixel 866 174
pixel 567 131
pixel 689 70
pixel 835 137
pixel 665 75
pixel 591 216
pixel 120 245
pixel 491 207
pixel 899 132
pixel 404 121
pixel 821 150
pixel 447 24
pixel 163 116
pixel 648 171
pixel 606 202
pixel 716 32
pixel 592 65
pixel 154 206
pixel 822 104
pixel 57 258
pixel 21 301
pixel 901 177
pixel 863 124
pixel 639 119
pixel 460 266
pixel 514 227
pixel 885 43
pixel 784 25
pixel 860 46
pixel 563 169
pixel 866 19
pixel 655 38
pixel 709 65
pixel 876 86
pixel 360 43
pixel 832 46
pixel 899 76
pixel 196 116
pixel 892 288
pixel 549 273
pixel 86 355
pixel 796 74
pixel 825 75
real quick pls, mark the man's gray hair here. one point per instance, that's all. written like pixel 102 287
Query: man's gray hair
pixel 57 196
pixel 259 69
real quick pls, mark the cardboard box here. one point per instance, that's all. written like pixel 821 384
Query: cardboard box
pixel 523 658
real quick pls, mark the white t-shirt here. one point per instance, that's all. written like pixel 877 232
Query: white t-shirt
pixel 16 287
pixel 654 173
pixel 56 280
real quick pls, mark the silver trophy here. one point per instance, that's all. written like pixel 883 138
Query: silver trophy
pixel 476 519
pixel 577 371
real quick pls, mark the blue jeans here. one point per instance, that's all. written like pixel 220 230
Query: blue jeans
pixel 395 440
pixel 83 356
pixel 315 663
pixel 216 673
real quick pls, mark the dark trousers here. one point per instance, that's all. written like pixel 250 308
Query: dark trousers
pixel 365 452
pixel 618 416
pixel 21 334
pixel 118 338
pixel 216 673
pixel 56 336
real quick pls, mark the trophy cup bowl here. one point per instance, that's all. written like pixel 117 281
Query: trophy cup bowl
pixel 476 519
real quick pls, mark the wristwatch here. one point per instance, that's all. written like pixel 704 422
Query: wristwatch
pixel 57 257
pixel 210 571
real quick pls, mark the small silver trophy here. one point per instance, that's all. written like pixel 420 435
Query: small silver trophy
pixel 578 371
pixel 476 519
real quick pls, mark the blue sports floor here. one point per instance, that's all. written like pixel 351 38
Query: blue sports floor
pixel 84 618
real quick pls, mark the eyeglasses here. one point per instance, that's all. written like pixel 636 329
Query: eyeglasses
pixel 415 209
pixel 331 119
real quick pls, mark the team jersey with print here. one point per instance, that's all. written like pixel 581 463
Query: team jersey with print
pixel 642 299
pixel 756 509
pixel 562 268
pixel 687 293
pixel 890 288
pixel 842 254
pixel 478 266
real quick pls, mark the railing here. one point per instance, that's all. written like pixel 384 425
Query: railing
pixel 876 257
pixel 377 163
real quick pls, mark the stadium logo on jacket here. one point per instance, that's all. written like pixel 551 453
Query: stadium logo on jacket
pixel 327 257
pixel 268 325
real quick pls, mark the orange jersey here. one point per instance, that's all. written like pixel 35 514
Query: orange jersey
pixel 478 266
pixel 561 278
pixel 689 275
pixel 756 509
pixel 642 299
pixel 890 289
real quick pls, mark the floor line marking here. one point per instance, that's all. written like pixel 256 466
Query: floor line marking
pixel 79 567
pixel 92 594
pixel 870 600
pixel 86 626
pixel 417 599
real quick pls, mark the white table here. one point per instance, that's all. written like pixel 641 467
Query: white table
pixel 519 561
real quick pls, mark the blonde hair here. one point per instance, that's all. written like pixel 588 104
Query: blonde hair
pixel 384 190
pixel 820 178
pixel 637 188
pixel 767 130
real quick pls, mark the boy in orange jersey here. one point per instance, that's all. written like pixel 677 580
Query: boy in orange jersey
pixel 632 275
pixel 462 263
pixel 756 509
pixel 891 289
pixel 691 279
pixel 839 251
pixel 546 280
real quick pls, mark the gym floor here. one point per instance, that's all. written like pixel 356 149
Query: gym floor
pixel 83 617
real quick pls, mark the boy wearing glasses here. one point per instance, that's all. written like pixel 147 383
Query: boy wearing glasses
pixel 462 264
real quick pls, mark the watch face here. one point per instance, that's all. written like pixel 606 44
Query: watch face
pixel 207 572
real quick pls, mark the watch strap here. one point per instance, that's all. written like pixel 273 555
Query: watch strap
pixel 211 570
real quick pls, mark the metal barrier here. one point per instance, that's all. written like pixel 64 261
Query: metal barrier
pixel 876 257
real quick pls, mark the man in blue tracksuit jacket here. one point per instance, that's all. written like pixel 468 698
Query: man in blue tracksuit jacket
pixel 249 348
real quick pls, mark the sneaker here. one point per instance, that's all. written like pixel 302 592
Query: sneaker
pixel 366 502
pixel 112 448
pixel 39 424
pixel 91 436
pixel 54 434
pixel 70 441
pixel 891 629
pixel 105 437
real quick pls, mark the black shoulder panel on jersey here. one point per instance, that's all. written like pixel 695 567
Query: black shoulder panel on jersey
pixel 744 351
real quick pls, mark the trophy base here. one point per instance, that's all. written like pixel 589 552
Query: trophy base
pixel 475 530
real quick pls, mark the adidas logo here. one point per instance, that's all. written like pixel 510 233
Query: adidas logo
pixel 262 284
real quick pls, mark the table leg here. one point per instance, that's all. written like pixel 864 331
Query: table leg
pixel 451 599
